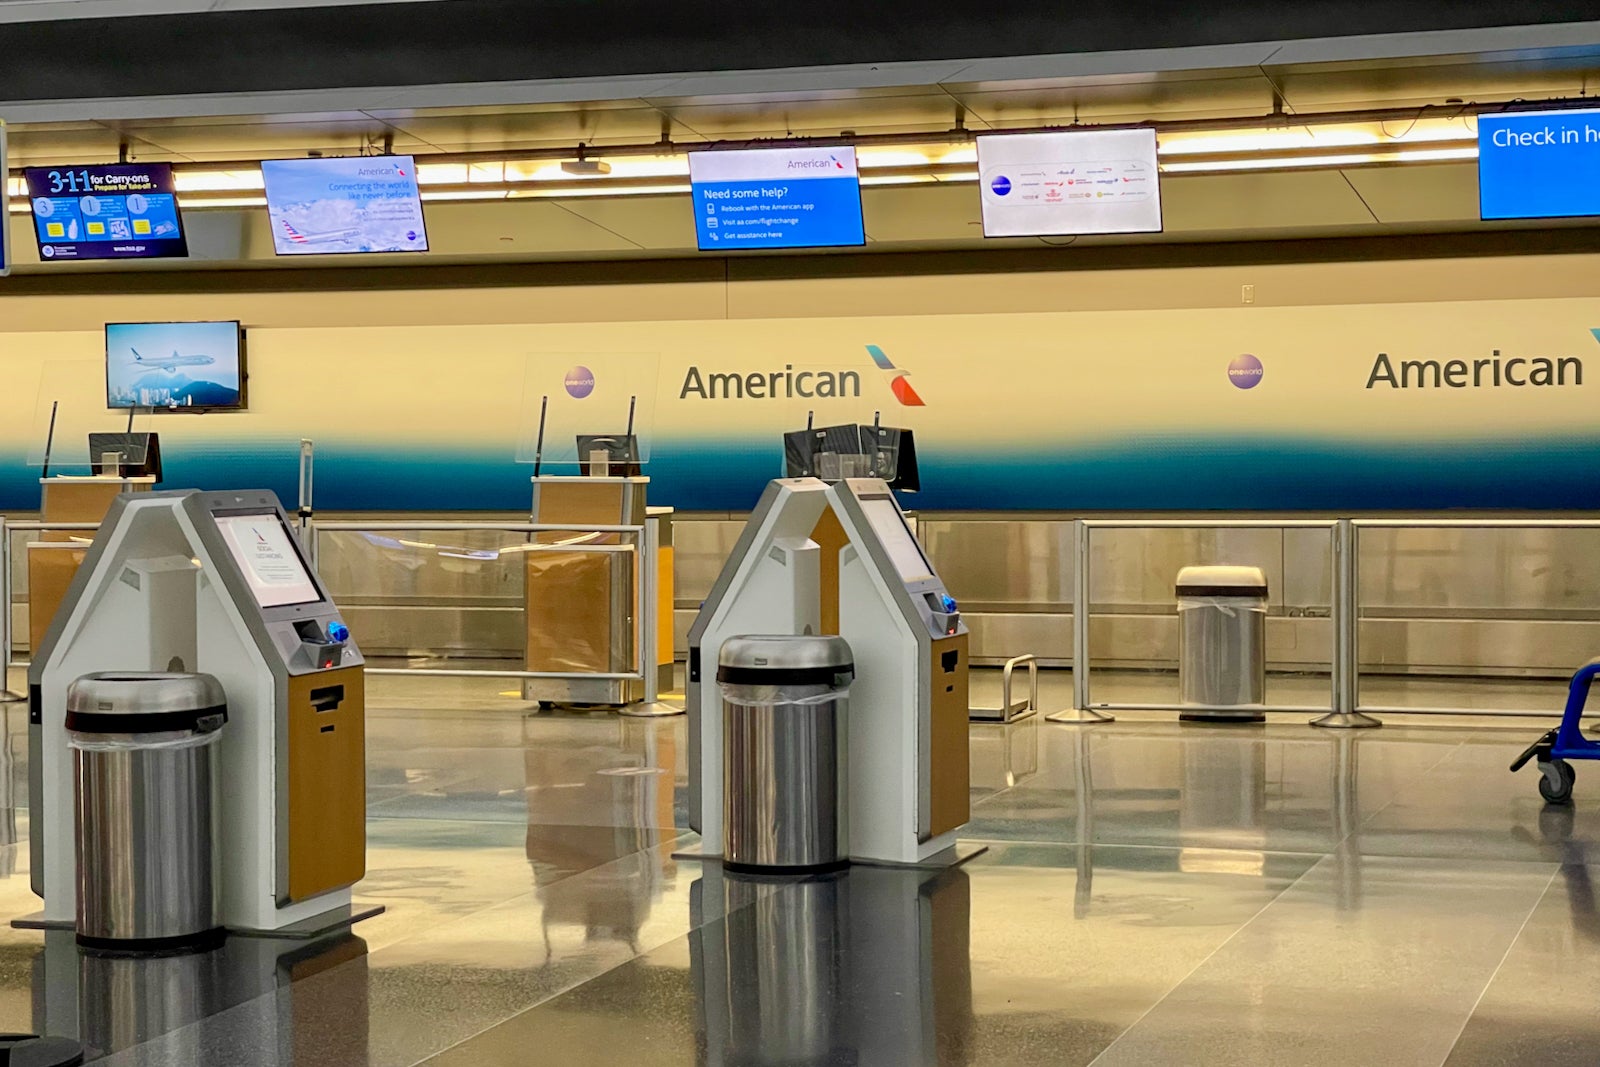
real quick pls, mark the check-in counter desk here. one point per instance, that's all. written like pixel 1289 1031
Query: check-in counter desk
pixel 582 594
pixel 54 557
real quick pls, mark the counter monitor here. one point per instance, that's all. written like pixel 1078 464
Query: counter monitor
pixel 175 366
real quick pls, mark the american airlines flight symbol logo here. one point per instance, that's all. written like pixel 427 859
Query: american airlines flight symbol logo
pixel 897 379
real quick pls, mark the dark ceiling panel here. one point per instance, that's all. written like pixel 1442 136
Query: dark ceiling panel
pixel 507 40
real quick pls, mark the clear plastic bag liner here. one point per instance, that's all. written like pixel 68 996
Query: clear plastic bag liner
pixel 1228 605
pixel 812 693
pixel 170 740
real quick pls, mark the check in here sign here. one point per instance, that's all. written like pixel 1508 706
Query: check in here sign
pixel 776 198
pixel 5 212
pixel 1539 164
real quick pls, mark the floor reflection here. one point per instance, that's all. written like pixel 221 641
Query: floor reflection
pixel 1152 893
pixel 310 996
pixel 870 966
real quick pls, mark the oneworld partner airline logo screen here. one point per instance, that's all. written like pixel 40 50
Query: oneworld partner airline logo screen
pixel 776 198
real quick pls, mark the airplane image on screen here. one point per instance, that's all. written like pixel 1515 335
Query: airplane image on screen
pixel 172 362
pixel 325 237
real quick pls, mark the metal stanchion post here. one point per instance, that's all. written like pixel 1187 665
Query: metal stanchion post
pixel 1346 634
pixel 6 695
pixel 648 558
pixel 305 510
pixel 1080 714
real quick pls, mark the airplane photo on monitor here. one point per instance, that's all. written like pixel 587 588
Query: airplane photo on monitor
pixel 203 373
pixel 172 362
pixel 321 238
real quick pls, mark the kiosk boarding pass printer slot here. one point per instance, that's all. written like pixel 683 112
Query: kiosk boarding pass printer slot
pixel 907 737
pixel 217 583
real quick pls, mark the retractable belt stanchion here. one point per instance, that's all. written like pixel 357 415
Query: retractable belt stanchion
pixel 6 591
pixel 1346 635
pixel 1080 714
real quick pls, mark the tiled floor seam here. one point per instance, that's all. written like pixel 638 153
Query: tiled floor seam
pixel 1201 963
pixel 1510 947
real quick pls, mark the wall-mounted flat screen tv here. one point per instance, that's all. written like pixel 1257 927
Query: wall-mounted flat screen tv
pixel 175 366
pixel 345 205
pixel 1073 182
pixel 1539 164
pixel 105 211
pixel 776 198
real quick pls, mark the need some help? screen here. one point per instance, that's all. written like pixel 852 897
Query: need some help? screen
pixel 776 198
pixel 1539 164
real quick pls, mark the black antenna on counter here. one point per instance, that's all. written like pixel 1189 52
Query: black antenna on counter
pixel 877 416
pixel 632 400
pixel 538 445
pixel 50 438
pixel 811 417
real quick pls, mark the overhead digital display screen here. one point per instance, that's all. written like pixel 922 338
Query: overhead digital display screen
pixel 776 198
pixel 1078 182
pixel 355 204
pixel 174 366
pixel 107 211
pixel 1539 165
pixel 272 568
pixel 5 214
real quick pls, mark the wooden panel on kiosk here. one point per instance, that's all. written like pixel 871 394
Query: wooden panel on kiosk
pixel 327 782
pixel 950 765
pixel 830 538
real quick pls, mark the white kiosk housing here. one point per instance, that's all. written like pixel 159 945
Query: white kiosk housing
pixel 217 583
pixel 795 572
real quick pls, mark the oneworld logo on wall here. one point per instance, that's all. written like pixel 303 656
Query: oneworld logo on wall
pixel 579 382
pixel 1001 185
pixel 1245 371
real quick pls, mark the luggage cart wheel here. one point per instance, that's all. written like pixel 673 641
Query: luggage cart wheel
pixel 1555 781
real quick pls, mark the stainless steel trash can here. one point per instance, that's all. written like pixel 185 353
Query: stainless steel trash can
pixel 1222 644
pixel 143 747
pixel 785 707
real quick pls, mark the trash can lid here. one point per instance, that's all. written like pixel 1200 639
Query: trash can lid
pixel 1222 581
pixel 785 659
pixel 145 702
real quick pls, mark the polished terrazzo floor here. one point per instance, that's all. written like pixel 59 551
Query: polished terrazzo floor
pixel 1152 893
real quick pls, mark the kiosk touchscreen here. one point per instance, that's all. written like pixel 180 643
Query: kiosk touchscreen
pixel 217 583
pixel 907 732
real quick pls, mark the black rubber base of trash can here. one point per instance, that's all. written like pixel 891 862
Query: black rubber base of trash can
pixel 1221 717
pixel 154 946
pixel 31 1050
pixel 785 872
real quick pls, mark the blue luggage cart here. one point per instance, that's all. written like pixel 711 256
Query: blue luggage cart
pixel 1565 742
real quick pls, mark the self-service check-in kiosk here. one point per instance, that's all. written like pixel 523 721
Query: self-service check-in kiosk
pixel 217 583
pixel 907 736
